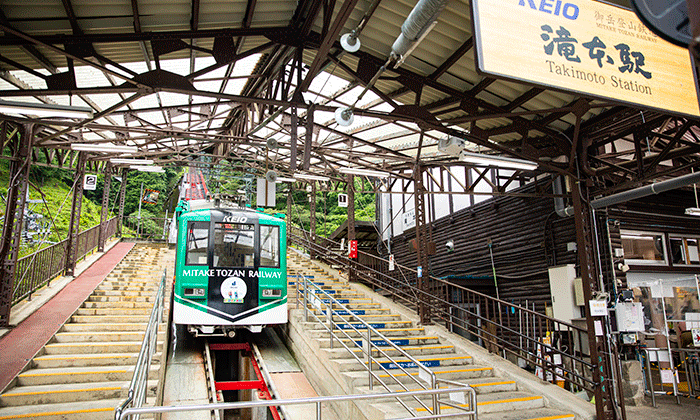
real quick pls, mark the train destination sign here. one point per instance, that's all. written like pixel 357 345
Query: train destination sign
pixel 584 46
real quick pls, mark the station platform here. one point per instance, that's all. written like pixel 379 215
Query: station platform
pixel 23 342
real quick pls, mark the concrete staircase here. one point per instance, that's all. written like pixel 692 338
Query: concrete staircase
pixel 85 370
pixel 335 371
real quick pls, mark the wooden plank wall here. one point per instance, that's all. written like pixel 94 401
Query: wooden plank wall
pixel 528 237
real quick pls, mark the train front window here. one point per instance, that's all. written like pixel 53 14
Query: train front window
pixel 269 246
pixel 197 241
pixel 234 245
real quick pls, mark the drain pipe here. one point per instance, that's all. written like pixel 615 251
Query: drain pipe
pixel 559 206
pixel 655 188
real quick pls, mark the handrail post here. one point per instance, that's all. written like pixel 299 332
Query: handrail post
pixel 306 299
pixel 329 319
pixel 369 358
pixel 433 385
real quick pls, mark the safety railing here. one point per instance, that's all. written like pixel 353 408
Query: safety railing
pixel 146 228
pixel 674 371
pixel 138 387
pixel 313 295
pixel 37 269
pixel 557 350
pixel 320 402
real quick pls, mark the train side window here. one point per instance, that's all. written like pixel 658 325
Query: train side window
pixel 269 246
pixel 234 245
pixel 197 243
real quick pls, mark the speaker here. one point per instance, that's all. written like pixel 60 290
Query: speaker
pixel 272 143
pixel 451 145
pixel 271 176
pixel 344 116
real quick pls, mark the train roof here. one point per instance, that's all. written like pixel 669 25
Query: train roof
pixel 187 206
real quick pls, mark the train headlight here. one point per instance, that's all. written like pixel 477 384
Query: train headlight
pixel 271 293
pixel 195 292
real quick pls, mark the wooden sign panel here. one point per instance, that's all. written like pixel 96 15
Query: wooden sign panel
pixel 586 47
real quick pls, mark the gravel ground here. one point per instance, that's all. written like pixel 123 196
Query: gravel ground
pixel 667 408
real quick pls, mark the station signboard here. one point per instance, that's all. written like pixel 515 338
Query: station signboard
pixel 584 46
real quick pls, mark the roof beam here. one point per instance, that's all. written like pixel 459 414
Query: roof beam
pixel 326 44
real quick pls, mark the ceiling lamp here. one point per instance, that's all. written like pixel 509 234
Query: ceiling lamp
pixel 45 110
pixel 147 168
pixel 311 177
pixel 497 161
pixel 127 161
pixel 103 147
pixel 363 172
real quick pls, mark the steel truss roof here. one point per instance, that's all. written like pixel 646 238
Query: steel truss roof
pixel 218 79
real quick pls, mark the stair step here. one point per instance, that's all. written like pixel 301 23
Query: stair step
pixel 75 327
pixel 82 410
pixel 432 349
pixel 102 336
pixel 104 319
pixel 121 304
pixel 454 373
pixel 324 342
pixel 74 360
pixel 113 311
pixel 81 374
pixel 429 361
pixel 96 347
pixel 73 392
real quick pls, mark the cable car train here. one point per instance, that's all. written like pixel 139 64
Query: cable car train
pixel 230 267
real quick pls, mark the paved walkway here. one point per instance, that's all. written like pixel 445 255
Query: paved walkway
pixel 21 344
pixel 667 408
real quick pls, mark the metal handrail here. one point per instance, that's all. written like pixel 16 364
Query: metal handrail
pixel 499 324
pixel 37 269
pixel 139 381
pixel 318 401
pixel 329 325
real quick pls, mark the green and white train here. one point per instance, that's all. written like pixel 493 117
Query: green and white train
pixel 230 269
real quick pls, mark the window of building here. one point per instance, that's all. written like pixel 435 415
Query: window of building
pixel 234 245
pixel 197 243
pixel 684 251
pixel 644 248
pixel 269 246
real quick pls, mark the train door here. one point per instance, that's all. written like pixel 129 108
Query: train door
pixel 233 281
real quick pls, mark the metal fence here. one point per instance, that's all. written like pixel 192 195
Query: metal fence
pixel 319 402
pixel 340 321
pixel 557 351
pixel 138 387
pixel 146 228
pixel 38 268
pixel 671 371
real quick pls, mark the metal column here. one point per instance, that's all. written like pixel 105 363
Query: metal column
pixel 289 211
pixel 351 219
pixel 14 213
pixel 74 227
pixel 312 217
pixel 105 207
pixel 605 371
pixel 421 247
pixel 122 198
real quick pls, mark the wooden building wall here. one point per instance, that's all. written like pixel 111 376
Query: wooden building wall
pixel 528 237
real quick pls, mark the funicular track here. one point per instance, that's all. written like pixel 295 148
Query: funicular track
pixel 222 388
